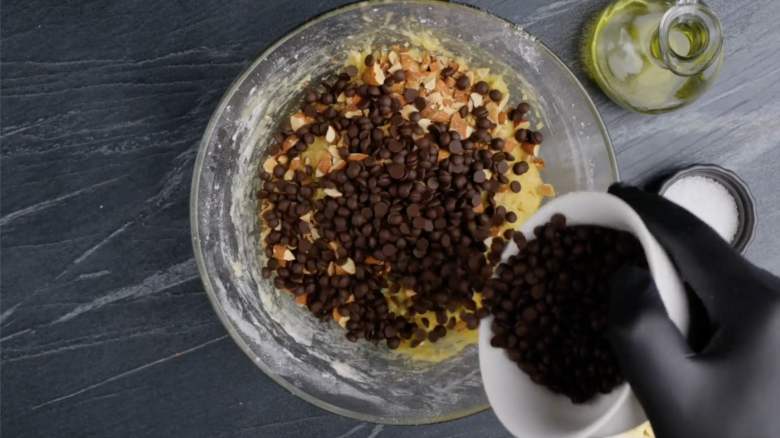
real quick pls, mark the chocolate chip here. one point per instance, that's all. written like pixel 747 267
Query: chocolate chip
pixel 495 95
pixel 352 71
pixel 538 138
pixel 369 61
pixel 482 87
pixel 520 168
pixel 515 186
pixel 463 83
pixel 523 108
pixel 397 171
pixel 420 103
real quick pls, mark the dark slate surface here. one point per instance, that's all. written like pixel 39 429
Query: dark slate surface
pixel 106 330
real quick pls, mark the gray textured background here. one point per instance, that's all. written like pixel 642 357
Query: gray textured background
pixel 106 330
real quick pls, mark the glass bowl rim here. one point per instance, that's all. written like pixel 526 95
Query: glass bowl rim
pixel 194 192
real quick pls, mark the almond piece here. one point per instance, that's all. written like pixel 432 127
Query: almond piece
pixel 479 209
pixel 349 267
pixel 443 88
pixel 482 72
pixel 539 162
pixel 443 154
pixel 295 164
pixel 450 82
pixel 357 157
pixel 282 253
pixel 324 163
pixel 504 100
pixel 407 111
pixel 434 66
pixel 302 300
pixel 457 124
pixel 439 116
pixel 353 102
pixel 430 82
pixel 476 99
pixel 509 145
pixel 338 165
pixel 546 190
pixel 330 136
pixel 288 176
pixel 353 114
pixel 372 261
pixel 398 87
pixel 492 111
pixel 409 64
pixel 460 325
pixel 434 98
pixel 530 148
pixel 374 75
pixel 269 164
pixel 502 118
pixel 297 121
pixel 522 124
pixel 393 58
pixel 333 193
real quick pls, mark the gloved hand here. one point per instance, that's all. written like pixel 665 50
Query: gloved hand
pixel 728 388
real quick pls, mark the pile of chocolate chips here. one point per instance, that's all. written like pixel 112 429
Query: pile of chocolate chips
pixel 396 215
pixel 551 305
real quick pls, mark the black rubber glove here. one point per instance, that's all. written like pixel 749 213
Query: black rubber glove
pixel 729 388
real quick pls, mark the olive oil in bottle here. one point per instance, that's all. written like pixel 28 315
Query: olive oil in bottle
pixel 654 56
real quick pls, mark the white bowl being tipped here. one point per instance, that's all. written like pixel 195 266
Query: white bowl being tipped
pixel 529 410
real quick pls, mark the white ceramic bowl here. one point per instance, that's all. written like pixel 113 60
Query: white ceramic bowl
pixel 528 410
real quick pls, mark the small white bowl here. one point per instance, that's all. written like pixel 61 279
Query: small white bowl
pixel 529 410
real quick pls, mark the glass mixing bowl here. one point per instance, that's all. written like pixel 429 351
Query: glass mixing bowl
pixel 315 361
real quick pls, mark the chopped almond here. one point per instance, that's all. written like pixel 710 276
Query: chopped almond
pixel 502 118
pixel 333 193
pixel 330 136
pixel 530 148
pixel 324 163
pixel 338 165
pixel 460 325
pixel 295 164
pixel 357 157
pixel 374 75
pixel 302 300
pixel 269 164
pixel 546 190
pixel 457 124
pixel 443 88
pixel 353 103
pixel 492 111
pixel 439 116
pixel 372 261
pixel 522 124
pixel 434 66
pixel 349 267
pixel 398 87
pixel 509 145
pixel 297 121
pixel 450 82
pixel 282 253
pixel 479 209
pixel 539 162
pixel 409 64
pixel 443 154
pixel 476 99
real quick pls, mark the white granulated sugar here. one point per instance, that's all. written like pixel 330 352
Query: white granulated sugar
pixel 709 201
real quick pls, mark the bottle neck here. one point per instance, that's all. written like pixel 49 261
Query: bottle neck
pixel 689 38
